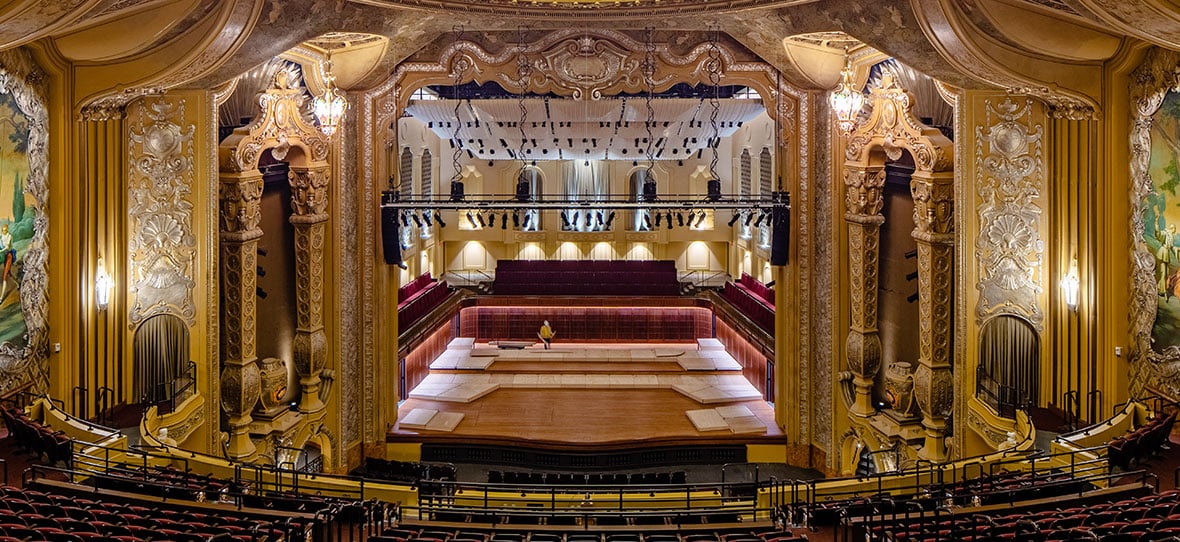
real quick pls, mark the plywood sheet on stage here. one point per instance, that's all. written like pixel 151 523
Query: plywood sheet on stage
pixel 579 416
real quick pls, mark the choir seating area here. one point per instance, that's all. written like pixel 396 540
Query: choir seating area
pixel 753 299
pixel 598 278
pixel 418 298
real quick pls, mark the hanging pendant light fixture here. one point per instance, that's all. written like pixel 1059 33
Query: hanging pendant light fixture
pixel 846 99
pixel 330 106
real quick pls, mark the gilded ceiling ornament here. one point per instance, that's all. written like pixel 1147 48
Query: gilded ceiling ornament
pixel 161 246
pixel 1010 165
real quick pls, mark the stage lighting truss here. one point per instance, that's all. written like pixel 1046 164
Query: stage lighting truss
pixel 484 211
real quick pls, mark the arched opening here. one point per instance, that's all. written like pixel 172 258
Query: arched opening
pixel 1008 375
pixel 162 367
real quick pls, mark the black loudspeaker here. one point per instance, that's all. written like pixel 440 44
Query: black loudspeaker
pixel 391 242
pixel 524 191
pixel 714 188
pixel 780 235
pixel 649 191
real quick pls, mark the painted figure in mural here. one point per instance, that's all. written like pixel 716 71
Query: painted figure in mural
pixel 9 253
pixel 1166 257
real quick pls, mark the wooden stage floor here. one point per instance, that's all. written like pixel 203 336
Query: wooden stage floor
pixel 528 405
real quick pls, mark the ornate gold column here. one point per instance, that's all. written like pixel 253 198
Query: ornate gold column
pixel 309 203
pixel 863 202
pixel 935 235
pixel 241 212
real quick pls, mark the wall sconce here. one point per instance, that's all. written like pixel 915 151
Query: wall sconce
pixel 1070 286
pixel 103 284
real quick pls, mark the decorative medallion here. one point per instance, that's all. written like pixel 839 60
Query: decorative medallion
pixel 1010 165
pixel 161 249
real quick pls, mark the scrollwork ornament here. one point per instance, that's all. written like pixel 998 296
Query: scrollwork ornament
pixel 162 247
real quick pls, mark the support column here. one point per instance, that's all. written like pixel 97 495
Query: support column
pixel 309 201
pixel 934 232
pixel 863 185
pixel 241 213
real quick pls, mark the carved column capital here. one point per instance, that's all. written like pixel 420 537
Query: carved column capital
pixel 862 192
pixel 934 206
pixel 241 208
pixel 309 193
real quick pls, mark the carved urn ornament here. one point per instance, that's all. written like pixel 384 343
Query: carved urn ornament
pixel 273 375
pixel 899 387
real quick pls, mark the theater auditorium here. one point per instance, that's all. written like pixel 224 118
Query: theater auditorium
pixel 589 270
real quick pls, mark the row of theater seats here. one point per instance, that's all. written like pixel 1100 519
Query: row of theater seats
pixel 1142 443
pixel 1148 518
pixel 31 436
pixel 31 516
pixel 767 534
pixel 760 291
pixel 1002 488
pixel 418 298
pixel 751 306
pixel 164 481
pixel 580 479
pixel 614 277
pixel 405 471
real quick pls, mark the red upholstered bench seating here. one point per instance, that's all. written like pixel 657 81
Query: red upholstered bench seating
pixel 418 298
pixel 760 291
pixel 749 304
pixel 600 277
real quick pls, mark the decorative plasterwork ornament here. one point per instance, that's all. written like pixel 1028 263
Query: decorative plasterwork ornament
pixel 1159 369
pixel 278 121
pixel 893 126
pixel 161 247
pixel 28 363
pixel 1010 167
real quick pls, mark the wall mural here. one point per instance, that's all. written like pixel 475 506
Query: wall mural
pixel 23 191
pixel 1155 220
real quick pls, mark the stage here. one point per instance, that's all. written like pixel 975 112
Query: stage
pixel 586 398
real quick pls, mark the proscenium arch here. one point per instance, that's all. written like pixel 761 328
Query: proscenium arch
pixel 280 129
pixel 466 61
pixel 890 129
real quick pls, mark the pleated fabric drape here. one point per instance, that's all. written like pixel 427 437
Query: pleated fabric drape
pixel 1010 354
pixel 161 350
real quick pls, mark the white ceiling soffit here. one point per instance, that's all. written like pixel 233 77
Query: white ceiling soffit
pixel 611 129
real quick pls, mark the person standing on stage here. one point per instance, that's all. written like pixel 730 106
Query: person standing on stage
pixel 546 334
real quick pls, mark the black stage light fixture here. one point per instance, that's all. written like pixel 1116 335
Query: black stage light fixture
pixel 691 218
pixel 491 220
pixel 417 221
pixel 761 217
pixel 749 217
pixel 668 219
pixel 438 218
pixel 598 217
pixel 528 217
pixel 260 292
pixel 589 219
pixel 733 219
pixel 515 219
pixel 647 222
pixel 659 217
pixel 565 221
pixel 610 218
pixel 405 220
pixel 679 219
pixel 504 221
pixel 574 219
pixel 479 217
pixel 471 219
pixel 426 218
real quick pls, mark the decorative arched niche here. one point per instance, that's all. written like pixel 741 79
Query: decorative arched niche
pixel 281 130
pixel 24 296
pixel 890 129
